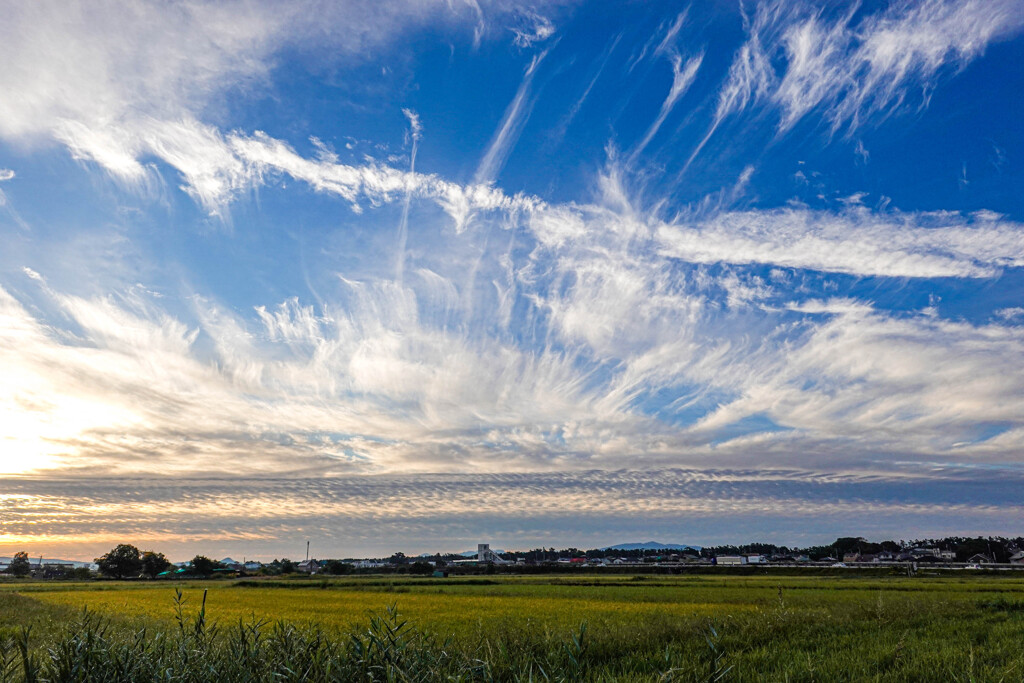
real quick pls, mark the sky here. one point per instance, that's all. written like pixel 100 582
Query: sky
pixel 420 274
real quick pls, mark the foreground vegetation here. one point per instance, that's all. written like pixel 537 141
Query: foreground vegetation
pixel 525 628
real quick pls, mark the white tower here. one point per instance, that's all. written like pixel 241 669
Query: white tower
pixel 485 554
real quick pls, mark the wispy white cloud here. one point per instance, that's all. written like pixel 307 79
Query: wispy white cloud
pixel 515 117
pixel 682 78
pixel 539 29
pixel 751 72
pixel 857 241
pixel 563 125
pixel 855 68
pixel 415 134
pixel 5 175
pixel 667 44
pixel 1010 313
pixel 123 84
pixel 908 46
pixel 613 306
pixel 262 156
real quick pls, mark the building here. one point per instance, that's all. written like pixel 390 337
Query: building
pixel 484 555
pixel 369 564
pixel 1017 558
pixel 308 566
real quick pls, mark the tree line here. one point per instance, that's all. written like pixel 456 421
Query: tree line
pixel 127 561
pixel 122 562
pixel 999 548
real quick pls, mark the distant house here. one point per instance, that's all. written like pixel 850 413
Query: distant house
pixel 308 566
pixel 725 560
pixel 860 557
pixel 370 564
pixel 1017 558
pixel 927 554
pixel 979 558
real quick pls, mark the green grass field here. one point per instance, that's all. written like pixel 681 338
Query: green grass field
pixel 785 628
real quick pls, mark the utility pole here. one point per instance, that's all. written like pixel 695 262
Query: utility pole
pixel 307 551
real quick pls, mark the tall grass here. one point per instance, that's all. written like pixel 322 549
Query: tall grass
pixel 93 648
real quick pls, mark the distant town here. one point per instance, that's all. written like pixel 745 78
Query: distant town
pixel 129 562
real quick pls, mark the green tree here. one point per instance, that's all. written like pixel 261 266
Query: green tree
pixel 848 544
pixel 288 567
pixel 80 574
pixel 153 563
pixel 338 567
pixel 20 565
pixel 203 566
pixel 423 568
pixel 124 560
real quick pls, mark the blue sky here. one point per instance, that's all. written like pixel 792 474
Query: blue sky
pixel 417 274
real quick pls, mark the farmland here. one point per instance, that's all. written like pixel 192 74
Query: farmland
pixel 700 627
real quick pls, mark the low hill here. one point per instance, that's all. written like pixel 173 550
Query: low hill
pixel 652 545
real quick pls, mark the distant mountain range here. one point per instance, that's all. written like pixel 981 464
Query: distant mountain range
pixel 472 553
pixel 652 545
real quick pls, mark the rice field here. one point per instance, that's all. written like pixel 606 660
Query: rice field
pixel 459 609
pixel 705 627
